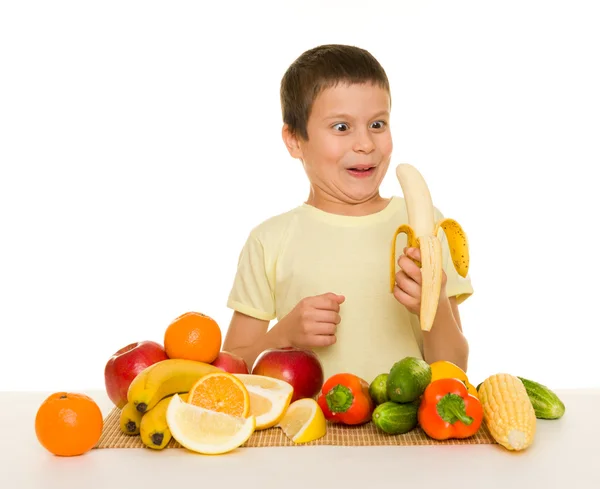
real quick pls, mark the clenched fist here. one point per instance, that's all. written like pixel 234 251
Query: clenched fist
pixel 314 320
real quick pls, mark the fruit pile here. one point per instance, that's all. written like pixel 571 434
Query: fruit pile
pixel 210 402
pixel 190 390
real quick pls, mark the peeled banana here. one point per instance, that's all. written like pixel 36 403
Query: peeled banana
pixel 422 232
pixel 130 419
pixel 154 430
pixel 165 378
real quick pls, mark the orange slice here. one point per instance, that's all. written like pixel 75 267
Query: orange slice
pixel 221 392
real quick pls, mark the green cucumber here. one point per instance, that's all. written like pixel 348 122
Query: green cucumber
pixel 546 403
pixel 395 418
pixel 378 389
pixel 408 379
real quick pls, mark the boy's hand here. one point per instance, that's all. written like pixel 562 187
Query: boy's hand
pixel 314 320
pixel 407 290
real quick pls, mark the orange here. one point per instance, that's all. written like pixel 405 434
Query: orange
pixel 193 336
pixel 222 392
pixel 68 424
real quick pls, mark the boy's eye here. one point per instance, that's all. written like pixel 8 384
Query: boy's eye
pixel 379 124
pixel 342 126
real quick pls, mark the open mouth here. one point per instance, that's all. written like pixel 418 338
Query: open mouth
pixel 363 171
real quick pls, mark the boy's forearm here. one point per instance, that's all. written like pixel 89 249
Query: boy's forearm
pixel 272 339
pixel 445 341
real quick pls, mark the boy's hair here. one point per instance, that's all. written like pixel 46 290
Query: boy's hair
pixel 319 68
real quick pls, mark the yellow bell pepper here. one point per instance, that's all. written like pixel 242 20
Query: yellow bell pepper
pixel 443 369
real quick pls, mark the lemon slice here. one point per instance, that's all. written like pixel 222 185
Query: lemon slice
pixel 304 421
pixel 204 431
pixel 269 398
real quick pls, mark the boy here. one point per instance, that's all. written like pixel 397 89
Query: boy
pixel 322 268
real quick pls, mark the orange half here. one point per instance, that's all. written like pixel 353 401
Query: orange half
pixel 221 392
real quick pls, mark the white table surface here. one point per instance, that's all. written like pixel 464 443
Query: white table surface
pixel 565 453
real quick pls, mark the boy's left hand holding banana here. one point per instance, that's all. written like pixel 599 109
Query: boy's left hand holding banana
pixel 407 289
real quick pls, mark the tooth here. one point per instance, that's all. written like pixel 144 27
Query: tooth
pixel 422 232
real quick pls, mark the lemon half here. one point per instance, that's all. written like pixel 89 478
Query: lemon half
pixel 209 432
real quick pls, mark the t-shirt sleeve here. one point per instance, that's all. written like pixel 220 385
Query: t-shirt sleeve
pixel 252 292
pixel 456 286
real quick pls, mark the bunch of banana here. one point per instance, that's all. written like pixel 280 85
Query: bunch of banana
pixel 130 419
pixel 154 430
pixel 152 425
pixel 149 394
pixel 422 232
pixel 163 379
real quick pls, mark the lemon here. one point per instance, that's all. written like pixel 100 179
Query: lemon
pixel 204 431
pixel 269 398
pixel 304 421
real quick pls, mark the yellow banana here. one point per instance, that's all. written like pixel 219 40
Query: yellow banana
pixel 154 430
pixel 164 378
pixel 422 232
pixel 130 419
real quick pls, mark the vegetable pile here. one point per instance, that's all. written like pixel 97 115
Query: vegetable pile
pixel 439 399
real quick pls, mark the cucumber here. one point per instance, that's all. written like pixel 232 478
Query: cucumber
pixel 394 418
pixel 546 403
pixel 408 379
pixel 378 389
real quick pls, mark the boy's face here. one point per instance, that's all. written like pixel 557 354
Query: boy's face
pixel 349 143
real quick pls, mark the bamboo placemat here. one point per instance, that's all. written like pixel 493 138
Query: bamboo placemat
pixel 340 435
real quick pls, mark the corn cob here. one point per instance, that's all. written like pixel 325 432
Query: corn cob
pixel 507 411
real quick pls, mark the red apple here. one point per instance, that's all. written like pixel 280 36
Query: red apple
pixel 124 365
pixel 231 363
pixel 299 367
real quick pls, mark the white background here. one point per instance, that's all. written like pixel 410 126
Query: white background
pixel 140 142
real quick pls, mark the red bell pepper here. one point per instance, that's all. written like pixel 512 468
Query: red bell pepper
pixel 447 410
pixel 345 399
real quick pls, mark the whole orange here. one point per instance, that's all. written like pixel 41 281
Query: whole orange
pixel 193 336
pixel 68 424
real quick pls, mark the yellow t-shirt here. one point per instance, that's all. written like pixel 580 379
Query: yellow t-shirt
pixel 306 251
